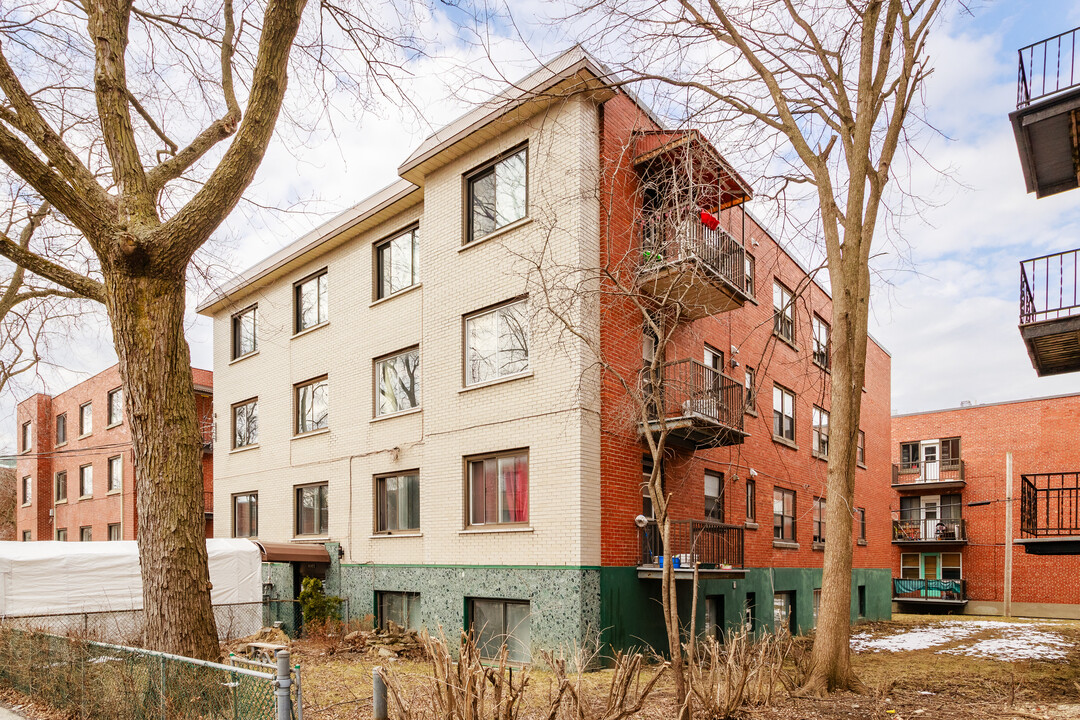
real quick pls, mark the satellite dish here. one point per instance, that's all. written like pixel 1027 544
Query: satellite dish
pixel 641 521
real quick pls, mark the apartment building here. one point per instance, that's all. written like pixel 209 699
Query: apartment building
pixel 963 541
pixel 76 478
pixel 428 385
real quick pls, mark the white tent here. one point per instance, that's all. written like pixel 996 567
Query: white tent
pixel 49 578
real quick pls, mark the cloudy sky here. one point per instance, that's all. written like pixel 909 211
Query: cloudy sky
pixel 946 307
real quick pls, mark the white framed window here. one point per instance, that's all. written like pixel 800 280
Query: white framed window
pixel 115 478
pixel 783 413
pixel 820 444
pixel 714 495
pixel 86 418
pixel 497 343
pixel 497 195
pixel 114 408
pixel 819 520
pixel 860 449
pixel 397 382
pixel 821 342
pixel 784 309
pixel 86 481
pixel 397 263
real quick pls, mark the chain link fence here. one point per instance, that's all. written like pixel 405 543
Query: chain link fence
pixel 97 680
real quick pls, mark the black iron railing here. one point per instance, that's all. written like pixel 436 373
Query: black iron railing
pixel 667 240
pixel 933 471
pixel 929 530
pixel 1049 287
pixel 708 542
pixel 1047 67
pixel 915 589
pixel 688 388
pixel 1050 504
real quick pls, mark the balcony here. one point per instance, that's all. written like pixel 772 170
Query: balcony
pixel 1050 513
pixel 927 531
pixel 716 546
pixel 930 592
pixel 704 271
pixel 697 406
pixel 1047 102
pixel 1050 312
pixel 932 476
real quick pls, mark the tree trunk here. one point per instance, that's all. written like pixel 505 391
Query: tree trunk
pixel 147 314
pixel 830 661
pixel 671 612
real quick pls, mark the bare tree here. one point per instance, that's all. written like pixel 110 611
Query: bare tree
pixel 94 100
pixel 8 503
pixel 823 92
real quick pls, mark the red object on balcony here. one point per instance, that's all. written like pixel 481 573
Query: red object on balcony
pixel 709 220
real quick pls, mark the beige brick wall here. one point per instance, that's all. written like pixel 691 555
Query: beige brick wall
pixel 552 411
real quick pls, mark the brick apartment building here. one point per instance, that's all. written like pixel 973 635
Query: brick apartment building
pixel 76 479
pixel 960 538
pixel 504 490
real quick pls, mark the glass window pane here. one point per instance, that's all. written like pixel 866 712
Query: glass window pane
pixel 476 494
pixel 482 351
pixel 483 205
pixel 519 632
pixel 510 189
pixel 487 623
pixel 398 380
pixel 513 345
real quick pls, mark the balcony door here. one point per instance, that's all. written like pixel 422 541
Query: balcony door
pixel 931 570
pixel 931 460
pixel 709 402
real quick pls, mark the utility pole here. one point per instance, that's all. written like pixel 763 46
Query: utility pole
pixel 1008 533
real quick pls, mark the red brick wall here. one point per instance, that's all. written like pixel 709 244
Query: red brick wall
pixel 1041 435
pixel 46 458
pixel 750 330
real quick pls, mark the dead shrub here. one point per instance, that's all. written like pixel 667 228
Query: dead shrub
pixel 625 696
pixel 740 673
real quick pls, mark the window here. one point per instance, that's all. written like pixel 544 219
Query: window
pixel 714 496
pixel 86 534
pixel 26 436
pixel 860 517
pixel 817 604
pixel 751 390
pixel 783 514
pixel 819 520
pixel 783 413
pixel 862 601
pixel 909 455
pixel 60 488
pixel 397 502
pixel 714 617
pixel 26 536
pixel 86 419
pixel 821 342
pixel 397 382
pixel 751 499
pixel 497 195
pixel 950 453
pixel 646 478
pixel 501 622
pixel 400 608
pixel 244 340
pixel 860 449
pixel 397 263
pixel 311 510
pixel 909 566
pixel 245 513
pixel 950 507
pixel 783 617
pixel 61 429
pixel 86 481
pixel 950 566
pixel 27 490
pixel 784 307
pixel 748 274
pixel 114 532
pixel 245 419
pixel 61 534
pixel 496 343
pixel 310 301
pixel 115 478
pixel 312 407
pixel 820 445
pixel 114 409
pixel 750 611
pixel 499 489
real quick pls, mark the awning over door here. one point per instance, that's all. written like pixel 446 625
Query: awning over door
pixel 292 552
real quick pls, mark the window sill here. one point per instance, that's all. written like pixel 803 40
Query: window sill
pixel 310 538
pixel 750 525
pixel 861 542
pixel 750 411
pixel 862 465
pixel 86 497
pixel 85 435
pixel 385 535
pixel 115 492
pixel 310 433
pixel 399 413
pixel 785 545
pixel 245 448
pixel 311 329
pixel 818 546
pixel 497 381
pixel 819 456
pixel 823 367
pixel 785 442
pixel 115 424
pixel 60 502
pixel 496 233
pixel 244 357
pixel 26 504
pixel 398 294
pixel 487 530
pixel 789 342
pixel 26 451
pixel 61 444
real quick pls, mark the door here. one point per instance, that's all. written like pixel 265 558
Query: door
pixel 928 519
pixel 931 570
pixel 709 404
pixel 931 467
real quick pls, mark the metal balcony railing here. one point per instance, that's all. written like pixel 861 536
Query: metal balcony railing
pixel 667 240
pixel 1050 505
pixel 1047 67
pixel 1049 287
pixel 708 542
pixel 929 530
pixel 910 473
pixel 688 388
pixel 916 589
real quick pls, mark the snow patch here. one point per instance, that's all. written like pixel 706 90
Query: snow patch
pixel 1013 641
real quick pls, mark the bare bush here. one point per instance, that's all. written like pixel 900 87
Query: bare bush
pixel 740 673
pixel 625 696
